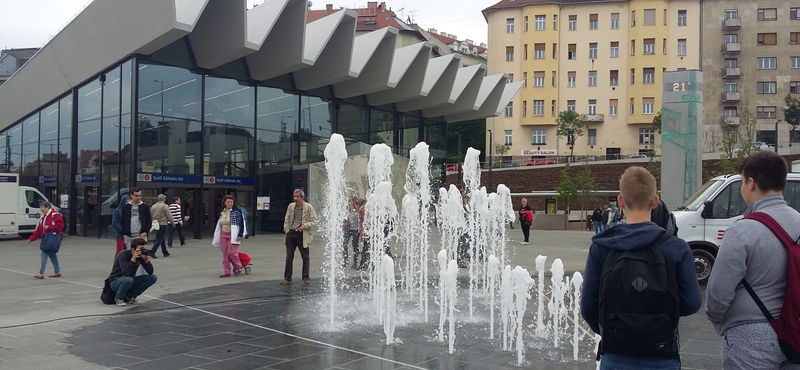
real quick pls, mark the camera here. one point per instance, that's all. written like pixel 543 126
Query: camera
pixel 144 250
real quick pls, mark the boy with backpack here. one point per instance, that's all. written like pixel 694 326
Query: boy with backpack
pixel 755 277
pixel 639 280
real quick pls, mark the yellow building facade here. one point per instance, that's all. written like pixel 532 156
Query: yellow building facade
pixel 602 59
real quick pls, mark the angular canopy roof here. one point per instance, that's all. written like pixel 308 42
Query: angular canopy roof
pixel 273 40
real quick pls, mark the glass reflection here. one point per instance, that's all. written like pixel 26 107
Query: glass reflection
pixel 48 149
pixel 315 128
pixel 276 117
pixel 30 151
pixel 228 150
pixel 13 156
pixel 89 156
pixel 353 123
pixel 382 127
pixel 229 102
pixel 111 130
pixel 64 154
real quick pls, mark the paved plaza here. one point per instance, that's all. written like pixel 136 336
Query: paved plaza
pixel 192 319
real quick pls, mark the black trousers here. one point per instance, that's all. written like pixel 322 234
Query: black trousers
pixel 526 231
pixel 352 236
pixel 294 240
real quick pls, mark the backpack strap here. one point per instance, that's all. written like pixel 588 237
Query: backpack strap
pixel 783 236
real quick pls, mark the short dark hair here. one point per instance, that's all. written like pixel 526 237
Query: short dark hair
pixel 137 242
pixel 225 198
pixel 134 190
pixel 45 204
pixel 177 199
pixel 768 170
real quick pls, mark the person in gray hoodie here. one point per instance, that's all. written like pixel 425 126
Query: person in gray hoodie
pixel 750 251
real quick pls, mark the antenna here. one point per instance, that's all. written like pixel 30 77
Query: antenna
pixel 412 14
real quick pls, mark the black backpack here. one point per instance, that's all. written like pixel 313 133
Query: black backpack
pixel 639 303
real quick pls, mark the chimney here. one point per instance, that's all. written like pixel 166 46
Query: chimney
pixel 483 45
pixel 452 36
pixel 432 30
pixel 382 6
pixel 372 4
pixel 328 9
pixel 470 41
pixel 443 33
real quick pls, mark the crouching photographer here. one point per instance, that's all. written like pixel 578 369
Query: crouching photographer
pixel 123 280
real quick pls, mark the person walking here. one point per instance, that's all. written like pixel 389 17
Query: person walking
pixel 177 223
pixel 161 214
pixel 298 225
pixel 116 223
pixel 228 235
pixel 525 220
pixel 351 234
pixel 136 218
pixel 597 219
pixel 51 222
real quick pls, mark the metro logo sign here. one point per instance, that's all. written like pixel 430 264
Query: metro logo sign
pixel 209 180
pixel 143 177
pixel 543 152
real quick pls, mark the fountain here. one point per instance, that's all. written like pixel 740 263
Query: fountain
pixel 521 283
pixel 334 212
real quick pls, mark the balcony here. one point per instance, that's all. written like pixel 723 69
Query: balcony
pixel 730 121
pixel 731 47
pixel 731 97
pixel 731 72
pixel 592 117
pixel 731 23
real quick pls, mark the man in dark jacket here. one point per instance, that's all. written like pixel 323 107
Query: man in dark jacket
pixel 637 198
pixel 136 219
pixel 123 279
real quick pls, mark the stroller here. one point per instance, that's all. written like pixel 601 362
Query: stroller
pixel 245 260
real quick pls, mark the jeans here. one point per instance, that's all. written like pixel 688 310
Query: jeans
pixel 294 240
pixel 611 361
pixel 53 259
pixel 133 286
pixel 161 240
pixel 598 226
pixel 172 230
pixel 350 235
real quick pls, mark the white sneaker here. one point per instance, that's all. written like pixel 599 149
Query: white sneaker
pixel 120 302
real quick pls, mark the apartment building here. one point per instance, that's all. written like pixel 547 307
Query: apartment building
pixel 751 61
pixel 600 58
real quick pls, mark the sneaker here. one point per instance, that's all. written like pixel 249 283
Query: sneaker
pixel 285 282
pixel 120 302
pixel 237 272
pixel 133 301
pixel 167 255
pixel 225 275
pixel 307 281
pixel 154 256
pixel 169 246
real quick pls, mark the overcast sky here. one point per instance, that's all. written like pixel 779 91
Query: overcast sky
pixel 31 24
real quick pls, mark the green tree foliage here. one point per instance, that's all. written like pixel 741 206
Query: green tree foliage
pixel 657 122
pixel 791 112
pixel 567 193
pixel 571 127
pixel 586 187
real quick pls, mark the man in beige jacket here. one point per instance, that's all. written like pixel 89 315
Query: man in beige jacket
pixel 160 213
pixel 298 225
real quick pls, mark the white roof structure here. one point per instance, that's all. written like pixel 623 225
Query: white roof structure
pixel 274 40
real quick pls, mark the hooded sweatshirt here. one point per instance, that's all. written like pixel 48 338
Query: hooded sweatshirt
pixel 116 218
pixel 632 237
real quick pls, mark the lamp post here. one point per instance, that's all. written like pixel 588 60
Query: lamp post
pixel 491 157
pixel 161 92
pixel 776 134
pixel 458 158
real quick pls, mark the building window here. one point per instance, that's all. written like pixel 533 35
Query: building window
pixel 615 49
pixel 646 136
pixel 510 25
pixel 555 22
pixel 681 47
pixel 538 79
pixel 731 62
pixel 540 21
pixel 730 112
pixel 767 38
pixel 681 18
pixel 664 46
pixel 794 62
pixel 649 76
pixel 794 13
pixel 592 107
pixel 648 105
pixel 571 79
pixel 553 77
pixel 593 50
pixel 633 76
pixel 649 46
pixel 525 52
pixel 538 51
pixel 731 38
pixel 614 21
pixel 553 108
pixel 633 18
pixel 793 87
pixel 525 25
pixel 538 108
pixel 510 110
pixel 767 14
pixel 767 63
pixel 524 79
pixel 731 87
pixel 766 87
pixel 592 21
pixel 571 53
pixel 538 137
pixel 510 78
pixel 592 78
pixel 555 50
pixel 573 22
pixel 509 53
pixel 649 17
pixel 794 37
pixel 592 135
pixel 507 135
pixel 612 107
pixel 633 47
pixel 571 105
pixel 665 17
pixel 731 13
pixel 614 78
pixel 633 107
pixel 765 112
pixel 524 108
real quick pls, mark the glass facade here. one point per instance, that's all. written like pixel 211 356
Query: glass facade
pixel 154 123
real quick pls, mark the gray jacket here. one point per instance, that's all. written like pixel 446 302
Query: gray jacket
pixel 749 250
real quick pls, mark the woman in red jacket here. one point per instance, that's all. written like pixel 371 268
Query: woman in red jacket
pixel 51 222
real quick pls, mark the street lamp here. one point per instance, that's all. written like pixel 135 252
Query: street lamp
pixel 458 157
pixel 162 98
pixel 491 156
pixel 776 135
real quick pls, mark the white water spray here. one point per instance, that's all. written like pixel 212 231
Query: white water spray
pixel 414 226
pixel 506 305
pixel 389 301
pixel 493 270
pixel 541 330
pixel 521 284
pixel 335 211
pixel 556 304
pixel 577 282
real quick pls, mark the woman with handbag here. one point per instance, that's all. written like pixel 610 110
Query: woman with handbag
pixel 228 235
pixel 49 230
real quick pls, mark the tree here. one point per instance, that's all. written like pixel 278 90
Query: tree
pixel 585 185
pixel 500 149
pixel 791 113
pixel 746 134
pixel 567 193
pixel 571 127
pixel 657 122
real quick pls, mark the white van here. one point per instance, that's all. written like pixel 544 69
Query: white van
pixel 703 219
pixel 18 214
